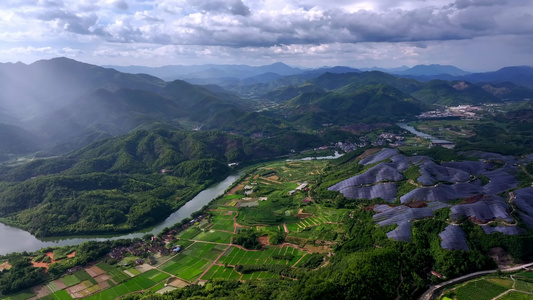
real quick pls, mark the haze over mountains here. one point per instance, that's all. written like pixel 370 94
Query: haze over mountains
pixel 62 104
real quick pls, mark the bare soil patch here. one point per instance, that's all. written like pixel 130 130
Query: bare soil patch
pixel 60 285
pixel 178 283
pixel 94 271
pixel 144 267
pixel 102 278
pixel 263 240
pixel 76 289
pixel 103 285
pixel 236 188
pixel 501 257
pixel 5 266
pixel 73 254
pixel 41 291
pixel 416 204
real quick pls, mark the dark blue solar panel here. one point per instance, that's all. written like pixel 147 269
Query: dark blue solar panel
pixel 379 156
pixel 385 191
pixel 509 230
pixel 401 214
pixel 402 233
pixel 453 238
pixel 485 210
pixel 443 192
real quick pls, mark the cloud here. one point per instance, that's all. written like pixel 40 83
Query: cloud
pixel 269 29
pixel 235 7
pixel 120 4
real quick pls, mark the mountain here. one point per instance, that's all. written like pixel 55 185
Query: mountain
pixel 46 85
pixel 14 139
pixel 520 75
pixel 209 71
pixel 454 93
pixel 71 104
pixel 103 114
pixel 374 103
pixel 434 69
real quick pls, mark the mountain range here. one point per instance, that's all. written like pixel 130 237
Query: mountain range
pixel 59 105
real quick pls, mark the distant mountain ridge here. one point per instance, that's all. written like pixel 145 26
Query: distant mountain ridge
pixel 433 69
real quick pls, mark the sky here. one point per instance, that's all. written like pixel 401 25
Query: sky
pixel 475 35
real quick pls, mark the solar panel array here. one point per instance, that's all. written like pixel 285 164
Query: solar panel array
pixel 402 233
pixel 528 158
pixel 401 214
pixel 491 156
pixel 524 201
pixel 441 183
pixel 453 238
pixel 379 156
pixel 500 180
pixel 431 173
pixel 509 230
pixel 443 192
pixel 378 173
pixel 471 167
pixel 385 191
pixel 488 209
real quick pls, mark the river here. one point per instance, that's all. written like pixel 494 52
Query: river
pixel 412 130
pixel 17 240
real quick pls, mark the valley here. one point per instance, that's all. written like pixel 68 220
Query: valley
pixel 326 183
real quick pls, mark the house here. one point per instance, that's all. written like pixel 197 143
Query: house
pixel 301 186
pixel 436 274
pixel 263 198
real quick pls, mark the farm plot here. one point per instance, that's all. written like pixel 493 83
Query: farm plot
pixel 221 272
pixel 325 232
pixel 116 275
pixel 237 256
pixel 186 267
pixel 141 282
pixel 60 295
pixel 259 275
pixel 479 289
pixel 215 236
pixel 524 286
pixel 225 224
pixel 515 296
pixel 70 280
pixel 189 233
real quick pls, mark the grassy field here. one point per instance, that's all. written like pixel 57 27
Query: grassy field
pixel 479 290
pixel 70 280
pixel 236 256
pixel 221 272
pixel 524 286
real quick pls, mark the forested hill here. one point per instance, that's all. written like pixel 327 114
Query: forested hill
pixel 126 183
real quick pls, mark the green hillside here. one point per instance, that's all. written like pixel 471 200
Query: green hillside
pixel 122 184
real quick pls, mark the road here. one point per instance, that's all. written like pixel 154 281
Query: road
pixel 428 295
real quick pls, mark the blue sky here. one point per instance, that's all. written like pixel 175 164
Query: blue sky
pixel 476 35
